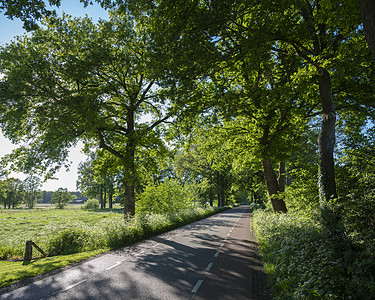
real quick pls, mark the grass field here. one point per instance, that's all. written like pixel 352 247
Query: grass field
pixel 73 234
pixel 19 225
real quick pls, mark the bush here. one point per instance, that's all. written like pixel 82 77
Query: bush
pixel 91 204
pixel 68 240
pixel 166 197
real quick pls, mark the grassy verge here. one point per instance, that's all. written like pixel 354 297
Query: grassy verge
pixel 301 264
pixel 72 242
pixel 12 271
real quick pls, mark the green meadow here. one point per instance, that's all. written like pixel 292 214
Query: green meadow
pixel 73 234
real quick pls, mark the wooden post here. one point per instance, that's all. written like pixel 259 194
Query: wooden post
pixel 28 251
pixel 37 248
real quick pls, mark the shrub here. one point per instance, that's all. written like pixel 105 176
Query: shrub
pixel 68 240
pixel 166 197
pixel 91 204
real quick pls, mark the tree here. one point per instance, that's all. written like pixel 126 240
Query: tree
pixel 165 197
pixel 316 32
pixel 76 81
pixel 99 176
pixel 61 197
pixel 206 162
pixel 12 192
pixel 31 185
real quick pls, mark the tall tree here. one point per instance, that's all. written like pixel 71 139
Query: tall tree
pixel 76 81
pixel 316 32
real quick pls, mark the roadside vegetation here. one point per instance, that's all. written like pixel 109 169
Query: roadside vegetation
pixel 309 255
pixel 74 234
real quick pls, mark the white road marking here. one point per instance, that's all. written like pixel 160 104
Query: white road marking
pixel 216 254
pixel 222 245
pixel 209 267
pixel 74 285
pixel 197 286
pixel 115 265
pixel 155 245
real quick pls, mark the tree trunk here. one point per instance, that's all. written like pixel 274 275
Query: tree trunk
pixel 129 198
pixel 212 196
pixel 129 163
pixel 273 188
pixel 281 180
pixel 110 201
pixel 223 200
pixel 368 19
pixel 219 198
pixel 326 140
pixel 101 198
pixel 105 197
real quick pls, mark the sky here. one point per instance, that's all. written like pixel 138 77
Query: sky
pixel 11 28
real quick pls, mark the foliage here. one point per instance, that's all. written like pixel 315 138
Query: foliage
pixel 61 197
pixel 301 264
pixel 67 241
pixel 31 185
pixel 166 197
pixel 12 192
pixel 73 80
pixel 207 161
pixel 91 204
pixel 100 176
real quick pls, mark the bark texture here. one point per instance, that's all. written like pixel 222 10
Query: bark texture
pixel 129 163
pixel 281 180
pixel 368 19
pixel 326 139
pixel 273 188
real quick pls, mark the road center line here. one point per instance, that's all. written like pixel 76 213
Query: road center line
pixel 217 254
pixel 209 267
pixel 196 287
pixel 74 285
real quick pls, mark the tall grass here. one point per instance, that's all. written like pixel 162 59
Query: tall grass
pixel 110 231
pixel 302 265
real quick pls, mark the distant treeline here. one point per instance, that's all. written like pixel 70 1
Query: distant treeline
pixel 47 196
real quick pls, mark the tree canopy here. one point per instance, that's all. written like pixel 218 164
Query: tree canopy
pixel 74 80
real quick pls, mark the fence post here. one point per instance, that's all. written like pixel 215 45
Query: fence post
pixel 28 251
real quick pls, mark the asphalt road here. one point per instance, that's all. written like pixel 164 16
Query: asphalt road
pixel 210 259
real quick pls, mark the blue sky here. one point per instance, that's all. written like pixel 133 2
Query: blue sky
pixel 11 28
